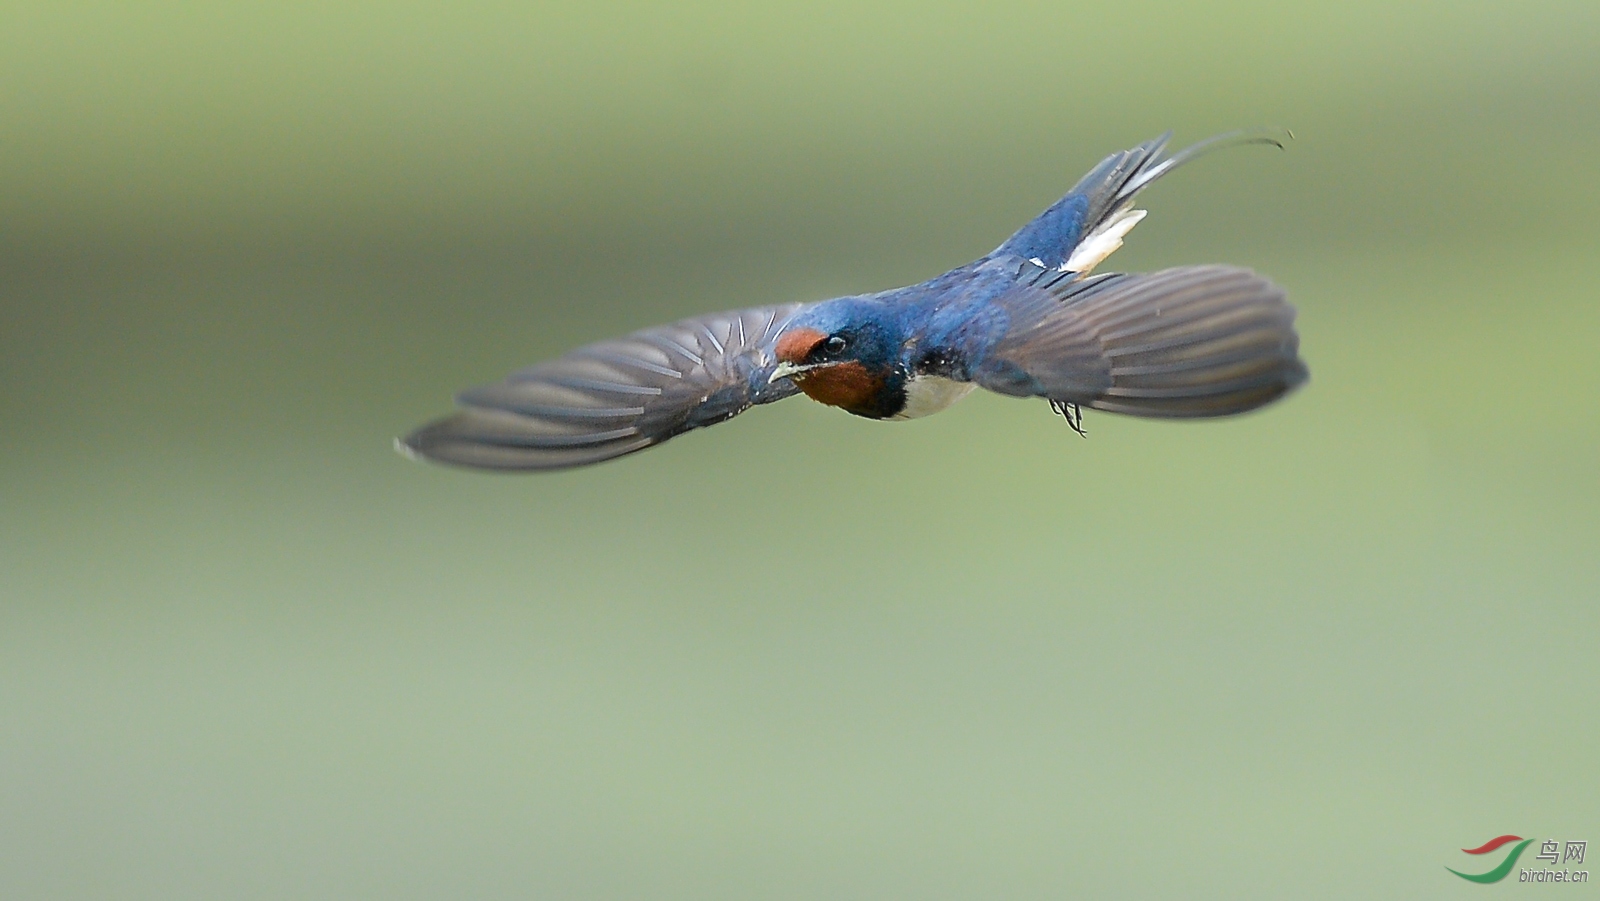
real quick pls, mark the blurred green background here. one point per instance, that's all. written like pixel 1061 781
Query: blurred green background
pixel 246 651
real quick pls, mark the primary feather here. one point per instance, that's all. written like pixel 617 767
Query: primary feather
pixel 1195 341
pixel 614 397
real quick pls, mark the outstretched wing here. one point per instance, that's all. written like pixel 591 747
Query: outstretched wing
pixel 1083 228
pixel 1189 342
pixel 615 397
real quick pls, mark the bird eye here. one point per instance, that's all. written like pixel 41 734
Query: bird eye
pixel 834 345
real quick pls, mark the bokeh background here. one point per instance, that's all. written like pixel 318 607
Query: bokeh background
pixel 247 651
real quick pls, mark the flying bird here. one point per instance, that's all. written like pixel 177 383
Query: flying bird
pixel 1029 319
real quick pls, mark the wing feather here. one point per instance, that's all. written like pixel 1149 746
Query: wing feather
pixel 614 397
pixel 1194 341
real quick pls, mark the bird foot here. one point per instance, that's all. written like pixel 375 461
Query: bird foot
pixel 1072 414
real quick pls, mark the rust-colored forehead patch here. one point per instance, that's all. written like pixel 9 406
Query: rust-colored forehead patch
pixel 795 344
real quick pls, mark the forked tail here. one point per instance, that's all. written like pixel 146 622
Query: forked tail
pixel 1085 226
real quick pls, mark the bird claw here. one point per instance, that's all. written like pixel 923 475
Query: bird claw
pixel 1072 413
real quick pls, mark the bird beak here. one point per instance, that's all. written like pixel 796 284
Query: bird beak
pixel 788 370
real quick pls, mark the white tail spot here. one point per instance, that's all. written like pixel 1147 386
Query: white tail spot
pixel 1102 242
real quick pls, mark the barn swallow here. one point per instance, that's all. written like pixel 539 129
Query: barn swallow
pixel 1026 320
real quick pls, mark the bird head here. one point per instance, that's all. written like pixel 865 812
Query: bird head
pixel 845 353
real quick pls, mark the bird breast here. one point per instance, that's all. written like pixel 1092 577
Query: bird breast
pixel 927 394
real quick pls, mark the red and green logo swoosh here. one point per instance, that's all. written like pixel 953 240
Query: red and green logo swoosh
pixel 1493 844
